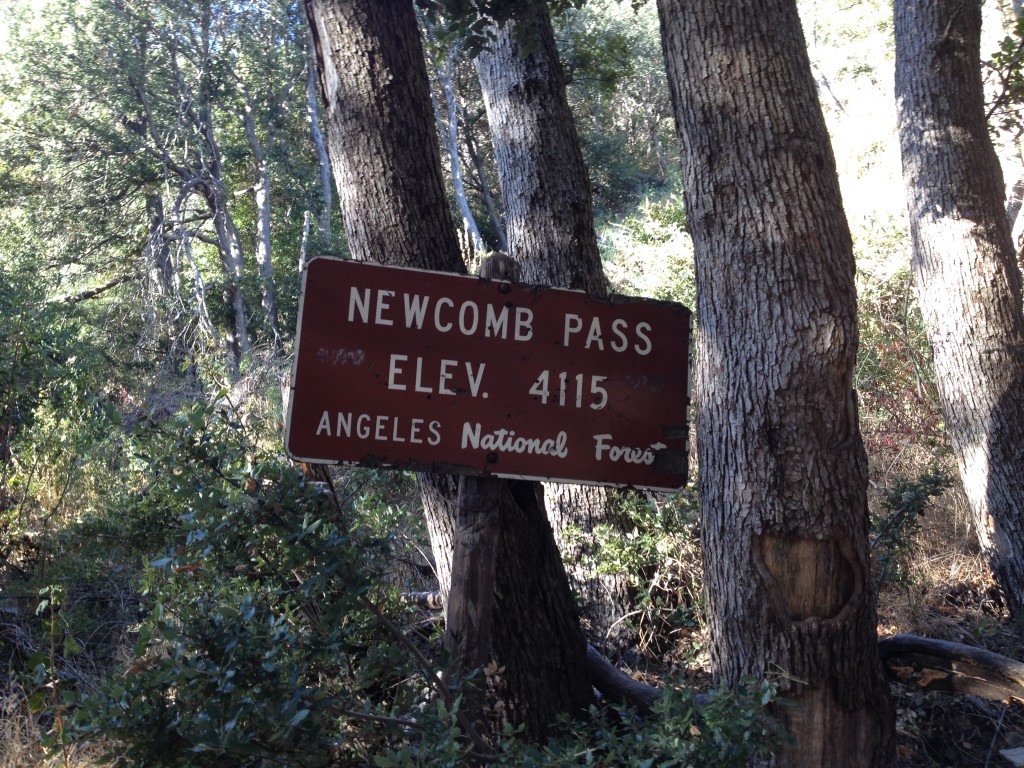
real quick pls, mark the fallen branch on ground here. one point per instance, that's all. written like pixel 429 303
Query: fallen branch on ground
pixel 940 665
pixel 935 665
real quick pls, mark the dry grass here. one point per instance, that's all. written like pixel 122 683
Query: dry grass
pixel 21 744
pixel 948 593
pixel 19 735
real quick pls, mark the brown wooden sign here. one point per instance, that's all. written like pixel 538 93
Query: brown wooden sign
pixel 409 369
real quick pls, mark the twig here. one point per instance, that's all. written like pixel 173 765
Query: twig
pixel 992 744
pixel 401 721
pixel 483 749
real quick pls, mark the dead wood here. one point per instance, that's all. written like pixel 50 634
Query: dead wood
pixel 617 686
pixel 428 601
pixel 941 665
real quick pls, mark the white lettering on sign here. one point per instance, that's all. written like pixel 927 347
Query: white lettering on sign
pixel 507 440
pixel 624 453
pixel 381 428
pixel 415 310
pixel 376 308
pixel 542 388
pixel 621 340
pixel 397 376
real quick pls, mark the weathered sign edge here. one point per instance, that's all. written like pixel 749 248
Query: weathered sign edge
pixel 613 298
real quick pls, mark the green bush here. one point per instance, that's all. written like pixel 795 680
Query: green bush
pixel 650 253
pixel 893 531
pixel 268 638
pixel 660 556
pixel 264 639
pixel 726 730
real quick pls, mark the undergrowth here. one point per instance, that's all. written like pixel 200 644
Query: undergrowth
pixel 268 630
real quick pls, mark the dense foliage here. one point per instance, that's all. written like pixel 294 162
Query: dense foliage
pixel 173 590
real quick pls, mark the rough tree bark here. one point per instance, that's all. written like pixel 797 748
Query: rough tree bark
pixel 783 472
pixel 549 214
pixel 964 264
pixel 387 168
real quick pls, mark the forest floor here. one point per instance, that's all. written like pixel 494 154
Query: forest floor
pixel 947 594
pixel 943 591
pixel 935 729
pixel 954 731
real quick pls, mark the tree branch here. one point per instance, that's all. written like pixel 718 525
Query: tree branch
pixel 940 665
pixel 94 292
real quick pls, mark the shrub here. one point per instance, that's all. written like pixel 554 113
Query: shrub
pixel 726 730
pixel 660 556
pixel 894 530
pixel 265 638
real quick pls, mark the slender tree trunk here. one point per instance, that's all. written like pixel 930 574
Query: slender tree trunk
pixel 261 197
pixel 323 161
pixel 157 253
pixel 199 286
pixel 651 123
pixel 549 210
pixel 261 194
pixel 232 258
pixel 215 192
pixel 783 472
pixel 485 193
pixel 448 128
pixel 387 167
pixel 965 267
pixel 1014 198
pixel 162 280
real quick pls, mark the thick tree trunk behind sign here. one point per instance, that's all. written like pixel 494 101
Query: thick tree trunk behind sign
pixel 548 204
pixel 968 279
pixel 387 169
pixel 549 213
pixel 783 472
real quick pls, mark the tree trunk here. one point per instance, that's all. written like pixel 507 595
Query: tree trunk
pixel 448 129
pixel 381 138
pixel 485 193
pixel 229 244
pixel 162 282
pixel 549 211
pixel 215 192
pixel 198 284
pixel 544 183
pixel 157 253
pixel 261 197
pixel 387 169
pixel 261 194
pixel 783 472
pixel 323 161
pixel 199 171
pixel 968 280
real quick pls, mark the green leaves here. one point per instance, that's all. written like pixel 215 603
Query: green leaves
pixel 1007 69
pixel 258 638
pixel 724 730
pixel 892 533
